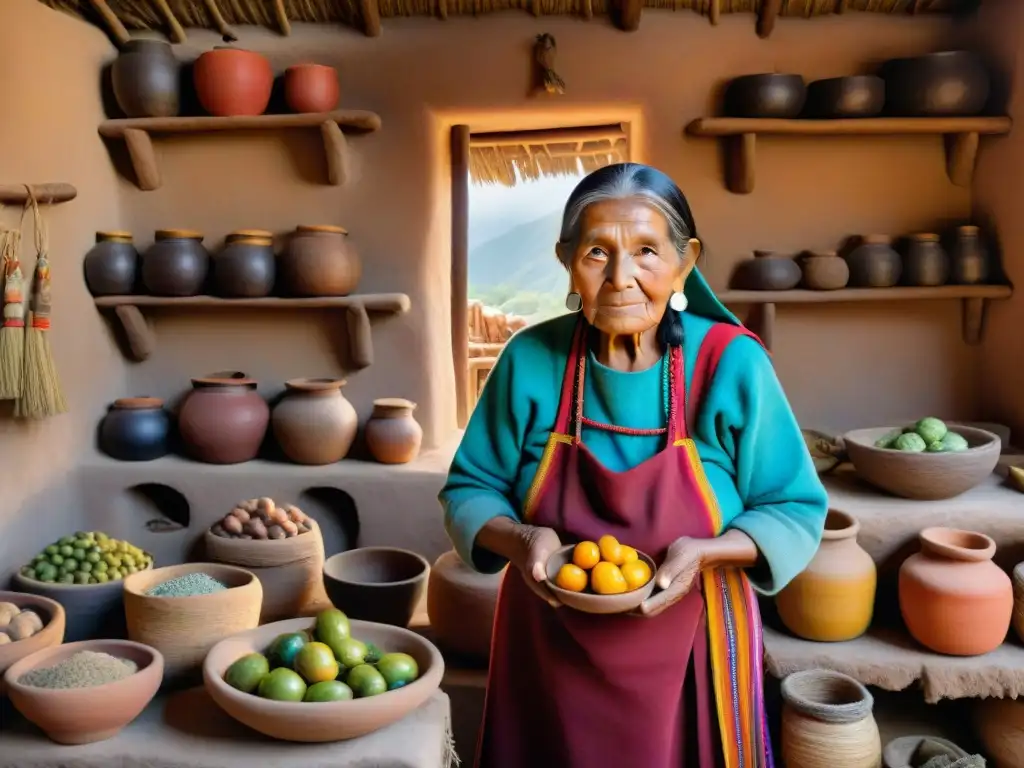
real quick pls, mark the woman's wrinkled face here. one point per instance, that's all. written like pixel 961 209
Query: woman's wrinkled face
pixel 625 266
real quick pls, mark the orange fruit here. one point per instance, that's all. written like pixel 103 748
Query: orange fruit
pixel 607 579
pixel 629 554
pixel 571 578
pixel 586 555
pixel 611 550
pixel 636 573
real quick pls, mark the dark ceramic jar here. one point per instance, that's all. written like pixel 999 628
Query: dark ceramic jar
pixel 135 429
pixel 176 264
pixel 824 271
pixel 944 84
pixel 874 263
pixel 320 262
pixel 245 268
pixel 970 257
pixel 311 88
pixel 926 263
pixel 851 96
pixel 145 78
pixel 223 420
pixel 112 265
pixel 766 95
pixel 767 271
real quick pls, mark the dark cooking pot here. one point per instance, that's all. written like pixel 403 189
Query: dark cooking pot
pixel 768 95
pixel 854 96
pixel 950 83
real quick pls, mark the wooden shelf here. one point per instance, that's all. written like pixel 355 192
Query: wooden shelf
pixel 16 194
pixel 142 341
pixel 137 134
pixel 739 136
pixel 974 297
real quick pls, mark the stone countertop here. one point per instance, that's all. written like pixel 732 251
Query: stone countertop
pixel 187 729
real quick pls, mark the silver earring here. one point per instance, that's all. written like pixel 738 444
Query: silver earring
pixel 679 302
pixel 574 302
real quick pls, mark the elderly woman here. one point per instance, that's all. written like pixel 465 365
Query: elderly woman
pixel 648 413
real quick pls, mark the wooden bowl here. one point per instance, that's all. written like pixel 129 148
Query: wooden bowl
pixel 850 96
pixel 184 629
pixel 85 715
pixel 52 633
pixel 923 476
pixel 326 721
pixel 381 584
pixel 765 95
pixel 588 602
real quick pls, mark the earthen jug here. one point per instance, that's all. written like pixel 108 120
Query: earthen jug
pixel 135 429
pixel 311 88
pixel 320 262
pixel 145 77
pixel 824 271
pixel 223 419
pixel 245 267
pixel 953 598
pixel 315 423
pixel 874 263
pixel 112 265
pixel 461 604
pixel 926 263
pixel 970 257
pixel 392 434
pixel 833 598
pixel 233 82
pixel 176 264
pixel 767 271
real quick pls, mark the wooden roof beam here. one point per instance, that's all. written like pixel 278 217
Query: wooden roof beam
pixel 629 14
pixel 114 25
pixel 770 10
pixel 370 10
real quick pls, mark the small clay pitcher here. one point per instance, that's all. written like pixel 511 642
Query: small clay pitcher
pixel 832 599
pixel 824 271
pixel 970 257
pixel 176 264
pixel 311 88
pixel 315 423
pixel 245 268
pixel 145 78
pixel 112 265
pixel 320 262
pixel 223 420
pixel 392 434
pixel 874 263
pixel 926 263
pixel 953 598
pixel 233 82
pixel 136 429
pixel 767 271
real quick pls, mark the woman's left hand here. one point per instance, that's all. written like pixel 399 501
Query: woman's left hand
pixel 676 576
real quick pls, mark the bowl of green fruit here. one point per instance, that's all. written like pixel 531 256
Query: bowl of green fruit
pixel 84 572
pixel 323 679
pixel 927 460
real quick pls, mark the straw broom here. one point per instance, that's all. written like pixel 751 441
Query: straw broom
pixel 12 333
pixel 41 394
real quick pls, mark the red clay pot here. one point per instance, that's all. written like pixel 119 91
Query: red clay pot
pixel 311 88
pixel 232 82
pixel 223 419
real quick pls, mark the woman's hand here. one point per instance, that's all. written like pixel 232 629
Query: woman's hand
pixel 676 576
pixel 527 548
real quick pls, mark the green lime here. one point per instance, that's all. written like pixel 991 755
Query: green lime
pixel 283 650
pixel 316 663
pixel 332 627
pixel 373 653
pixel 351 652
pixel 329 690
pixel 398 669
pixel 366 681
pixel 282 685
pixel 246 673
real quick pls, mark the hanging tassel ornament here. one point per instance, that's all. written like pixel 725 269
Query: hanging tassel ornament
pixel 41 394
pixel 12 333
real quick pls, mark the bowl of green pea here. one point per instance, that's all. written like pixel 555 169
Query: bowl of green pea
pixel 84 573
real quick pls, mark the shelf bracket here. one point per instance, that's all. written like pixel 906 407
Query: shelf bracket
pixel 974 320
pixel 138 334
pixel 961 154
pixel 740 151
pixel 140 150
pixel 336 150
pixel 360 336
pixel 761 320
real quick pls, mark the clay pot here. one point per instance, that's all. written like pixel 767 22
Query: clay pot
pixel 874 263
pixel 112 265
pixel 947 83
pixel 245 268
pixel 912 751
pixel 135 429
pixel 231 82
pixel 852 96
pixel 824 271
pixel 767 95
pixel 827 721
pixel 314 423
pixel 926 263
pixel 999 724
pixel 223 419
pixel 381 584
pixel 834 597
pixel 311 88
pixel 461 604
pixel 767 271
pixel 176 264
pixel 953 598
pixel 1018 600
pixel 392 434
pixel 970 257
pixel 320 262
pixel 145 78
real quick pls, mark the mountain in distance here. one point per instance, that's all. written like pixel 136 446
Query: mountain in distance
pixel 522 259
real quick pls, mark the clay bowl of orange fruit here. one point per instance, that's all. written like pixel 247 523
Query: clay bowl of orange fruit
pixel 601 577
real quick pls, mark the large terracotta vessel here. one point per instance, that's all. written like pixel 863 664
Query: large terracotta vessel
pixel 311 88
pixel 320 262
pixel 315 423
pixel 953 598
pixel 392 434
pixel 833 599
pixel 145 79
pixel 223 419
pixel 233 82
pixel 461 604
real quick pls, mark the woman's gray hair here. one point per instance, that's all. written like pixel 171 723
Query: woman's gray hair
pixel 620 182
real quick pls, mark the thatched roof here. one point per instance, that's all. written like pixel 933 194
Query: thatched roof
pixel 174 16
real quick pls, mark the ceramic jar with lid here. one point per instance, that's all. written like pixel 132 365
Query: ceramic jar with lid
pixel 136 429
pixel 223 420
pixel 145 77
pixel 311 88
pixel 233 82
pixel 245 268
pixel 874 263
pixel 824 271
pixel 176 264
pixel 392 434
pixel 320 261
pixel 953 598
pixel 970 257
pixel 112 265
pixel 767 271
pixel 926 263
pixel 314 423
